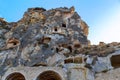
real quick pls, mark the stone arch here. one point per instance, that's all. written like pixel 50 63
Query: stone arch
pixel 15 76
pixel 115 61
pixel 49 75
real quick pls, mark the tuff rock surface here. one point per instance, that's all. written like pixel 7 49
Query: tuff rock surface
pixel 55 38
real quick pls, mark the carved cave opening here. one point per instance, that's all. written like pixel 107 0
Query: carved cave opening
pixel 115 61
pixel 77 45
pixel 49 75
pixel 55 29
pixel 73 60
pixel 15 76
pixel 64 25
pixel 46 39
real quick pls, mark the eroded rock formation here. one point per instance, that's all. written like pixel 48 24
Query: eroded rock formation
pixel 46 39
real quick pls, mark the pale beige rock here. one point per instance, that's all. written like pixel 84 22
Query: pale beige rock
pixel 84 27
pixel 110 75
pixel 12 42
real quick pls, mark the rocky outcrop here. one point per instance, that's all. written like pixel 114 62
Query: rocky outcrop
pixel 39 36
pixel 47 39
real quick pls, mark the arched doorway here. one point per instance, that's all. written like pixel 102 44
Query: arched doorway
pixel 15 76
pixel 49 75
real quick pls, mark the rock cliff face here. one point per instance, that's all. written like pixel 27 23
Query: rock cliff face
pixel 52 38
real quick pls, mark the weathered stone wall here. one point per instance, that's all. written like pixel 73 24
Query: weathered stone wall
pixel 35 73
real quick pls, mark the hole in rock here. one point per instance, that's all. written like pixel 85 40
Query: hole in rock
pixel 12 42
pixel 46 39
pixel 77 45
pixel 70 48
pixel 115 61
pixel 57 50
pixel 55 29
pixel 73 60
pixel 63 25
pixel 49 75
pixel 15 76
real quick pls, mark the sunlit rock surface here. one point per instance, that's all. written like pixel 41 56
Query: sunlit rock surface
pixel 53 42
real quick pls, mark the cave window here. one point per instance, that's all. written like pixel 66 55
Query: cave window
pixel 55 29
pixel 115 61
pixel 77 60
pixel 49 75
pixel 70 48
pixel 15 76
pixel 52 48
pixel 64 25
pixel 57 50
pixel 46 39
pixel 14 43
pixel 77 45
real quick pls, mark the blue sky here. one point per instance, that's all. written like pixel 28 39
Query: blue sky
pixel 103 16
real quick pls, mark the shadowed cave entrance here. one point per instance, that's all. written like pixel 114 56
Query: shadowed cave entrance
pixel 49 75
pixel 115 61
pixel 15 76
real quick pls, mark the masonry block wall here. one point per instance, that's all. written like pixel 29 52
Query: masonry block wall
pixel 35 73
